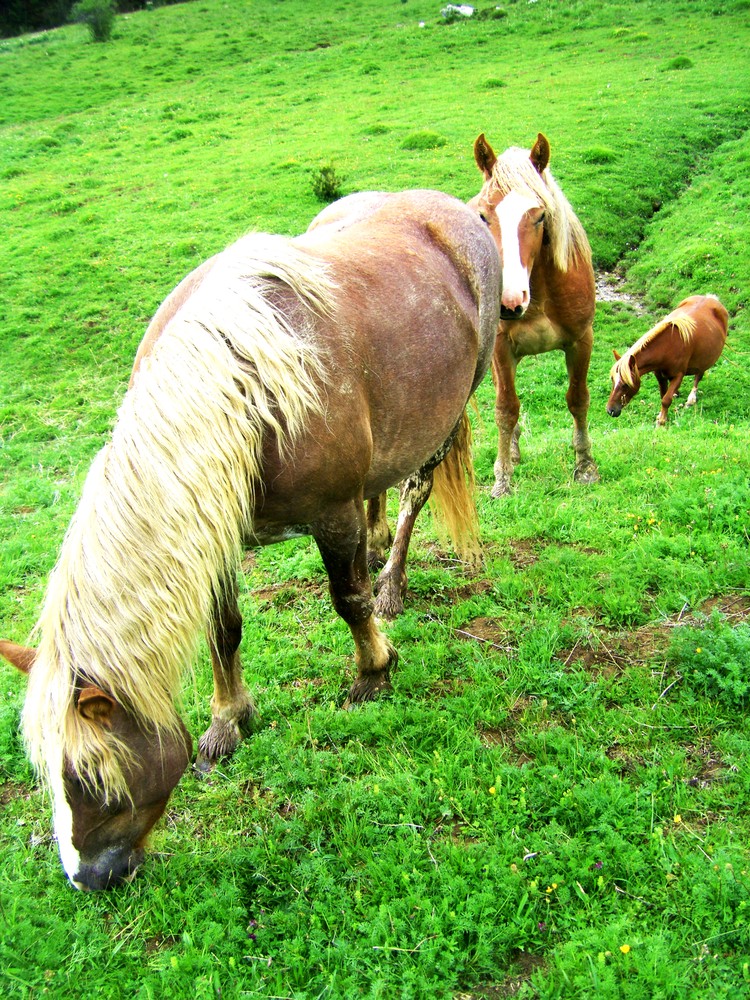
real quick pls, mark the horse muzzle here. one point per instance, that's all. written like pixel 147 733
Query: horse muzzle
pixel 614 409
pixel 112 867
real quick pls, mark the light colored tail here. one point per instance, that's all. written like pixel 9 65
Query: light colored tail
pixel 453 493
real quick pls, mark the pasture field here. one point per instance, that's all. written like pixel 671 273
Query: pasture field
pixel 554 803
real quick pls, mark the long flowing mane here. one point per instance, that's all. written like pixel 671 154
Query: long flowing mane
pixel 166 503
pixel 685 326
pixel 514 171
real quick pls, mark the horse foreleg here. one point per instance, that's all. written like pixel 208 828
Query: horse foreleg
pixel 231 705
pixel 507 409
pixel 379 535
pixel 577 358
pixel 693 397
pixel 666 399
pixel 342 539
pixel 390 586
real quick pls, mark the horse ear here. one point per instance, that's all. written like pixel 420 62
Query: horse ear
pixel 540 153
pixel 617 356
pixel 20 656
pixel 484 154
pixel 95 705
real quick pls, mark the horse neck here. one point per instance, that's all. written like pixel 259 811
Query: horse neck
pixel 650 356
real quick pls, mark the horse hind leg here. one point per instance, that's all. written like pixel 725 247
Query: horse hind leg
pixel 577 397
pixel 693 397
pixel 391 584
pixel 379 537
pixel 231 706
pixel 447 471
pixel 342 540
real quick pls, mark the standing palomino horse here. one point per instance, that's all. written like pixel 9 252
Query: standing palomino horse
pixel 290 381
pixel 686 342
pixel 548 293
pixel 548 302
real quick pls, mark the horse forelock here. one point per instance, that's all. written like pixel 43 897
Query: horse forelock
pixel 166 505
pixel 514 171
pixel 621 370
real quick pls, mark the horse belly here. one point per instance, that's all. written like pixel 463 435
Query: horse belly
pixel 533 337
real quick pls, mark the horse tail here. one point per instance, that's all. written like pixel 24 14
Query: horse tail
pixel 453 496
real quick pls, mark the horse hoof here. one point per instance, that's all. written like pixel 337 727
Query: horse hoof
pixel 501 488
pixel 367 688
pixel 587 474
pixel 220 740
pixel 388 606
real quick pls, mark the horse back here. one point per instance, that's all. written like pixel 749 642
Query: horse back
pixel 411 334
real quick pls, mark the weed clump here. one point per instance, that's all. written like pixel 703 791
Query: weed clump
pixel 98 15
pixel 598 155
pixel 424 140
pixel 679 62
pixel 326 184
pixel 714 660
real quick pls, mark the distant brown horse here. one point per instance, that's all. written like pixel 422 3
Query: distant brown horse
pixel 285 382
pixel 548 295
pixel 686 342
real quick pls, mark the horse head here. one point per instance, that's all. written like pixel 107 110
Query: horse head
pixel 626 381
pixel 510 205
pixel 100 835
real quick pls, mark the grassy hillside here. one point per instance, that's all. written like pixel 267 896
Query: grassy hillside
pixel 554 803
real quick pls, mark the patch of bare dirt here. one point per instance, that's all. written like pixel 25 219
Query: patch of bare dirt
pixel 10 792
pixel 524 966
pixel 609 652
pixel 488 631
pixel 524 552
pixel 610 288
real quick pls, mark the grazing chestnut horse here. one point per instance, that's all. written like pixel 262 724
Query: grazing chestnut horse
pixel 686 342
pixel 284 382
pixel 450 483
pixel 548 292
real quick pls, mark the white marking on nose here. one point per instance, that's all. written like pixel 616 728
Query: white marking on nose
pixel 510 211
pixel 63 820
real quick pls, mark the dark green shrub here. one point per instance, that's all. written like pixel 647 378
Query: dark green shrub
pixel 680 62
pixel 98 15
pixel 326 184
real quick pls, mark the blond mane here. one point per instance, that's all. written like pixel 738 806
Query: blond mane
pixel 514 171
pixel 685 326
pixel 167 502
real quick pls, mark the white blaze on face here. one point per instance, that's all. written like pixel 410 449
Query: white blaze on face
pixel 63 820
pixel 510 211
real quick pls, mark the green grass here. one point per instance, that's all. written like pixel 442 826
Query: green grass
pixel 554 802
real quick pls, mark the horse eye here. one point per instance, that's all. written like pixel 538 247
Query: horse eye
pixel 540 220
pixel 484 218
